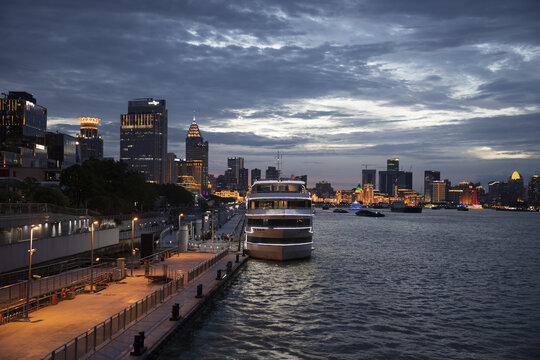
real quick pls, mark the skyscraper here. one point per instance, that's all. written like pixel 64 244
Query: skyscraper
pixel 23 122
pixel 143 138
pixel 272 173
pixel 392 164
pixel 533 190
pixel 429 177
pixel 90 142
pixel 368 177
pixel 243 180
pixel 197 149
pixel 255 175
pixel 235 164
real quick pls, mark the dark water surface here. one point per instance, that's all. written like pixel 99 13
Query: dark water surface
pixel 438 285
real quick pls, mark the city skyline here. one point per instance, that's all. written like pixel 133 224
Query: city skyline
pixel 450 87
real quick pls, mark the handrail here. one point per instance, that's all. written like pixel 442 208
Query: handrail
pixel 87 341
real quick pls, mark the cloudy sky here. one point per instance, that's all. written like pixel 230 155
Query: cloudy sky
pixel 446 85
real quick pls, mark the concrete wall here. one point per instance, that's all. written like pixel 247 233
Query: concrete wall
pixel 15 256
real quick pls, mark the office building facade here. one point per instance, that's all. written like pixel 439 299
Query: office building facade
pixel 143 138
pixel 61 149
pixel 255 175
pixel 429 177
pixel 369 177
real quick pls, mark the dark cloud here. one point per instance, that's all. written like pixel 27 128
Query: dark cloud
pixel 222 57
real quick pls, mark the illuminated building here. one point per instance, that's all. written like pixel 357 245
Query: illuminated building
pixel 255 175
pixel 229 194
pixel 369 177
pixel 429 177
pixel 368 194
pixel 454 195
pixel 143 138
pixel 197 149
pixel 192 169
pixel 90 142
pixel 533 190
pixel 437 191
pixel 23 122
pixel 513 189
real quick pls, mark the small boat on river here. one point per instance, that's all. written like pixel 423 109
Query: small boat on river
pixel 340 211
pixel 369 213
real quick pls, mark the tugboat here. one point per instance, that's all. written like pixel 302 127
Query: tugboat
pixel 340 211
pixel 462 208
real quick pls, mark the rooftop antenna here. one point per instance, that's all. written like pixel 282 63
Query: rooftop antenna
pixel 279 160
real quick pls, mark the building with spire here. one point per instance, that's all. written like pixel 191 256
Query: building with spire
pixel 197 149
pixel 143 138
pixel 90 142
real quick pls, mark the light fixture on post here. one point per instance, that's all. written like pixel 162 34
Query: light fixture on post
pixel 31 251
pixel 132 241
pixel 179 233
pixel 95 222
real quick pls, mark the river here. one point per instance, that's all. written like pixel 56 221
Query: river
pixel 442 284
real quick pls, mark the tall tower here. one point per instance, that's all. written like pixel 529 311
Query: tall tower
pixel 143 138
pixel 429 177
pixel 197 149
pixel 90 142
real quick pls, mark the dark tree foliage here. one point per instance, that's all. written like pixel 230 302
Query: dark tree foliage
pixel 108 187
pixel 50 195
pixel 176 195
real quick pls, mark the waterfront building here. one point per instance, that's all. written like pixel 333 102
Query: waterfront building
pixel 391 181
pixel 513 189
pixel 454 195
pixel 437 191
pixel 272 173
pixel 143 138
pixel 90 142
pixel 255 175
pixel 429 177
pixel 369 177
pixel 533 190
pixel 61 149
pixel 324 189
pixel 197 149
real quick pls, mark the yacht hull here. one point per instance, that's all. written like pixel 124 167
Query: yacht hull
pixel 279 252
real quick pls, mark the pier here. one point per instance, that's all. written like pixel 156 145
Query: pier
pixel 104 324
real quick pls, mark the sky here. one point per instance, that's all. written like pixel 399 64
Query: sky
pixel 335 86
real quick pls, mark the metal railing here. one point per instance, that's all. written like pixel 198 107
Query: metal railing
pixel 89 340
pixel 13 297
pixel 193 273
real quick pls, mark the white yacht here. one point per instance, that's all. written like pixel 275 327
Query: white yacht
pixel 279 220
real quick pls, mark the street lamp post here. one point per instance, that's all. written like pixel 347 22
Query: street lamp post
pixel 179 233
pixel 132 242
pixel 92 260
pixel 212 246
pixel 31 251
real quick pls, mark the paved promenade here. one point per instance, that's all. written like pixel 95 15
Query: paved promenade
pixel 156 324
pixel 54 325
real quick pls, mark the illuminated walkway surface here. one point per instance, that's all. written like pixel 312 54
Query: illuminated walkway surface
pixel 55 325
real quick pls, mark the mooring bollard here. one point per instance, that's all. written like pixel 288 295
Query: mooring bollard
pixel 138 344
pixel 175 312
pixel 218 277
pixel 237 257
pixel 244 252
pixel 199 291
